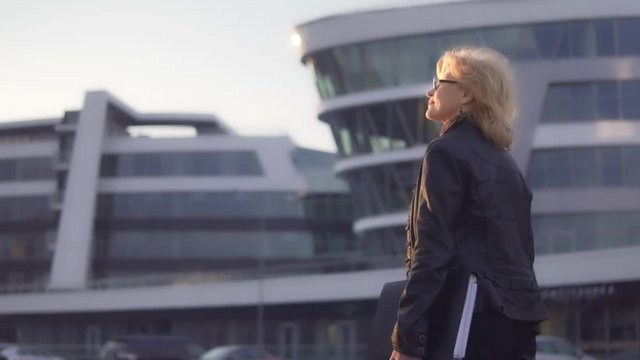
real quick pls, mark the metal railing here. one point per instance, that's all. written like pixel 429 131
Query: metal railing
pixel 321 266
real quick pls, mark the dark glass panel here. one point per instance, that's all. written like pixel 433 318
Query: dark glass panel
pixel 628 41
pixel 611 166
pixel 547 37
pixel 536 173
pixel 583 39
pixel 583 167
pixel 604 37
pixel 241 163
pixel 200 205
pixel 558 170
pixel 607 100
pixel 630 99
pixel 380 64
pixel 24 208
pixel 579 232
pixel 582 102
pixel 13 170
pixel 631 165
pixel 556 105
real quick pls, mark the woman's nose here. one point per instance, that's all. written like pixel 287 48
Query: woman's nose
pixel 430 92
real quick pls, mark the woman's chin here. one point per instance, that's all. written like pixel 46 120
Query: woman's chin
pixel 432 117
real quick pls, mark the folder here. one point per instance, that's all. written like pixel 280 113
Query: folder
pixel 449 318
pixel 460 348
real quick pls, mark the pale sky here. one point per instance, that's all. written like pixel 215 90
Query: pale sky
pixel 231 58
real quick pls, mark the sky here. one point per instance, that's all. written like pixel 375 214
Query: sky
pixel 231 58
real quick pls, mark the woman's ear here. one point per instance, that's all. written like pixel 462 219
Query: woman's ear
pixel 466 97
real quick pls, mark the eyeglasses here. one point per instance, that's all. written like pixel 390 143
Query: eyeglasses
pixel 436 82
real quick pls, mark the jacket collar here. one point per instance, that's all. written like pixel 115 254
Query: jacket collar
pixel 461 119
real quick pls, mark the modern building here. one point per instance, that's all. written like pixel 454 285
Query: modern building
pixel 104 233
pixel 577 69
pixel 95 220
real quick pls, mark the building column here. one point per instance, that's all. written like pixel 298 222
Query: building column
pixel 74 242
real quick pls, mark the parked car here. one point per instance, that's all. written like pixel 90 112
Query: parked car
pixel 556 348
pixel 157 347
pixel 237 352
pixel 24 352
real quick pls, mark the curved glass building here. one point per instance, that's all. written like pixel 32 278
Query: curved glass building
pixel 577 72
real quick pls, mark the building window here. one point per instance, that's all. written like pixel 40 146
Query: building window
pixel 200 205
pixel 606 166
pixel 27 169
pixel 592 101
pixel 412 59
pixel 588 231
pixel 239 163
pixel 25 208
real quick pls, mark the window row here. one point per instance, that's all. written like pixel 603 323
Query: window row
pixel 25 245
pixel 588 101
pixel 585 167
pixel 381 127
pixel 230 204
pixel 26 169
pixel 34 135
pixel 23 208
pixel 12 280
pixel 412 59
pixel 557 233
pixel 222 244
pixel 386 242
pixel 240 163
pixel 578 232
pixel 326 206
pixel 383 189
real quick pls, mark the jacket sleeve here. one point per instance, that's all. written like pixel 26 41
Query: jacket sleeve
pixel 442 191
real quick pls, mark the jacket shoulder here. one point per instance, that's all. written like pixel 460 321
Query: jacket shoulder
pixel 454 147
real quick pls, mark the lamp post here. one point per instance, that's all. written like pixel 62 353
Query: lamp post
pixel 261 260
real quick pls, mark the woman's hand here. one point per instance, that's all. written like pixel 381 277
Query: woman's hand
pixel 400 356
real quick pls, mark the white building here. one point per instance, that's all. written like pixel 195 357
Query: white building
pixel 104 232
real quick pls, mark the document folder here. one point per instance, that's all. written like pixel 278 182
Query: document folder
pixel 460 348
pixel 449 318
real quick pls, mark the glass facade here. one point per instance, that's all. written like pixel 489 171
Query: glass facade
pixel 21 137
pixel 25 245
pixel 181 232
pixel 560 233
pixel 383 189
pixel 212 245
pixel 327 206
pixel 381 127
pixel 409 60
pixel 25 208
pixel 26 169
pixel 223 163
pixel 385 242
pixel 585 167
pixel 228 204
pixel 591 101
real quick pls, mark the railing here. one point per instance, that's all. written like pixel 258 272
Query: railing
pixel 323 266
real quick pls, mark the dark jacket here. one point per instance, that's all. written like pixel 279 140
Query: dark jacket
pixel 471 209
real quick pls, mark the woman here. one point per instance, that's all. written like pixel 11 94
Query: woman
pixel 471 210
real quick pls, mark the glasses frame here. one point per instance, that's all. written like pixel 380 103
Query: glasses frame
pixel 436 82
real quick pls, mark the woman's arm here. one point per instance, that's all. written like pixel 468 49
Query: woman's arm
pixel 442 187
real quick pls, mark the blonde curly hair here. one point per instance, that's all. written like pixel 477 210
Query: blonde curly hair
pixel 486 74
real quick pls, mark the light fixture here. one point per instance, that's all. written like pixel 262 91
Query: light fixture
pixel 296 40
